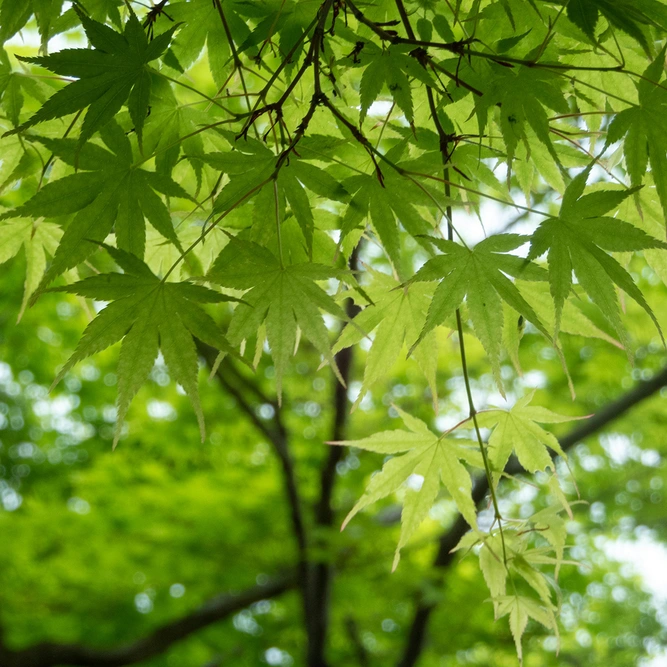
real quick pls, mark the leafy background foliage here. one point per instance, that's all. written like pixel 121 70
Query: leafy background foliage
pixel 408 236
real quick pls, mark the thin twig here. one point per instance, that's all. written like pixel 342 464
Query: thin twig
pixel 322 574
pixel 238 65
pixel 50 654
pixel 278 438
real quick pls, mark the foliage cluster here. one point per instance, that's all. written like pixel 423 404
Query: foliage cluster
pixel 229 178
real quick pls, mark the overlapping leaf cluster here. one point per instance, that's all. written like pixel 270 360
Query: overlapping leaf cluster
pixel 341 152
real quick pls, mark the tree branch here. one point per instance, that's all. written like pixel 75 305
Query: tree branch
pixel 278 438
pixel 238 65
pixel 324 514
pixel 357 644
pixel 444 557
pixel 462 49
pixel 74 655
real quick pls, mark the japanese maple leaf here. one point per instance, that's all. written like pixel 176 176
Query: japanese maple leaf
pixel 284 297
pixel 389 204
pixel 645 131
pixel 393 67
pixel 113 73
pixel 201 26
pixel 109 193
pixel 633 18
pixel 517 430
pixel 148 314
pixel 478 275
pixel 251 167
pixel 397 315
pixel 14 16
pixel 580 239
pixel 521 560
pixel 37 238
pixel 520 608
pixel 522 94
pixel 13 85
pixel 505 555
pixel 432 457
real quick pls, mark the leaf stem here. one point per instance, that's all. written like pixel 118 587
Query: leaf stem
pixel 212 100
pixel 238 65
pixel 444 140
pixel 223 215
pixel 278 234
pixel 482 448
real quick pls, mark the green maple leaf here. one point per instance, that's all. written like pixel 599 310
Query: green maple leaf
pixel 167 125
pixel 299 176
pixel 521 560
pixel 397 316
pixel 552 525
pixel 13 155
pixel 148 314
pixel 580 239
pixel 517 430
pixel 249 169
pixel 108 193
pixel 285 21
pixel 388 204
pixel 478 275
pixel 285 298
pixel 14 16
pixel 393 67
pixel 434 458
pixel 37 239
pixel 252 167
pixel 466 161
pixel 573 320
pixel 584 14
pixel 646 213
pixel 644 129
pixel 630 16
pixel 522 94
pixel 13 85
pixel 202 27
pixel 113 73
pixel 520 608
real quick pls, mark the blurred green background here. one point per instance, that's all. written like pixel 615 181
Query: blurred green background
pixel 100 547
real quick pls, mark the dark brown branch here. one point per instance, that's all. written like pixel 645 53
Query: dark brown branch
pixel 252 386
pixel 444 557
pixel 277 436
pixel 322 574
pixel 393 38
pixel 312 59
pixel 238 65
pixel 405 19
pixel 359 649
pixel 74 655
pixel 287 60
pixel 4 651
pixel 462 48
pixel 505 60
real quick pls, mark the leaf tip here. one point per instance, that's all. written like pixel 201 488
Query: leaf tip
pixel 397 558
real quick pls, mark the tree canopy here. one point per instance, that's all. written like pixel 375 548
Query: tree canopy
pixel 280 268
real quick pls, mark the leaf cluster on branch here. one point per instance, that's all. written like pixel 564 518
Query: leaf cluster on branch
pixel 282 193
